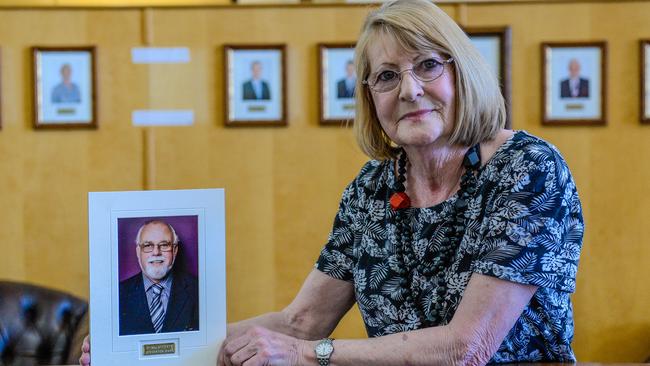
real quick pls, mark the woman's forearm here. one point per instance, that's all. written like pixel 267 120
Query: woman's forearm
pixel 285 322
pixel 275 321
pixel 430 346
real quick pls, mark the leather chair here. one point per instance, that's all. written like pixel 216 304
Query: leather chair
pixel 40 326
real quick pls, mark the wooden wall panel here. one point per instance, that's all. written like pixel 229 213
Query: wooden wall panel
pixel 46 174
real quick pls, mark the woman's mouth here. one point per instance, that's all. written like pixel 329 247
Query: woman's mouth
pixel 416 115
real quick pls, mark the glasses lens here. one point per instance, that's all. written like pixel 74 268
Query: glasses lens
pixel 428 70
pixel 163 246
pixel 385 81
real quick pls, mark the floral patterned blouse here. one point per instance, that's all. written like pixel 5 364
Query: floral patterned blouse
pixel 524 224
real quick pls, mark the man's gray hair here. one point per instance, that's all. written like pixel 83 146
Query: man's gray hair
pixel 171 228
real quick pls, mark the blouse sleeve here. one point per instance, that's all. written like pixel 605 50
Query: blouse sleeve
pixel 336 258
pixel 533 226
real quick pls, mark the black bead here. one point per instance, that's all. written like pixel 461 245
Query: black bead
pixel 473 158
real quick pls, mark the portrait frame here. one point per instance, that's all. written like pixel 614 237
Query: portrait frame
pixel 262 102
pixel 495 45
pixel 65 87
pixel 644 90
pixel 117 295
pixel 579 103
pixel 336 100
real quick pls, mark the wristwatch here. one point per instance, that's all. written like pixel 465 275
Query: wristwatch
pixel 324 349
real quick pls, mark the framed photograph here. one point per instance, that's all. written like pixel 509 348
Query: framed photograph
pixel 337 82
pixel 65 89
pixel 157 277
pixel 495 45
pixel 645 80
pixel 574 83
pixel 255 85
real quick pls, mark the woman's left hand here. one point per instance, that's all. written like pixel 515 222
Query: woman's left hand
pixel 260 346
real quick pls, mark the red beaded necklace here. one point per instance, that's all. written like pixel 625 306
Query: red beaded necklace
pixel 400 199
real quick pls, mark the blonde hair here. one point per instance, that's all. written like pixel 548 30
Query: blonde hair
pixel 419 25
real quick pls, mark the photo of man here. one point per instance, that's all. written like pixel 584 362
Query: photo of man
pixel 575 86
pixel 161 297
pixel 66 91
pixel 345 86
pixel 256 88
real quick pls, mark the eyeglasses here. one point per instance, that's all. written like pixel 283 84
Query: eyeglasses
pixel 164 246
pixel 425 71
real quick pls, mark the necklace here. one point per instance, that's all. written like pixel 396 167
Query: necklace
pixel 411 266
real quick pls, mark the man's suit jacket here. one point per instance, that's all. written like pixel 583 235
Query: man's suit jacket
pixel 583 89
pixel 182 309
pixel 249 92
pixel 342 90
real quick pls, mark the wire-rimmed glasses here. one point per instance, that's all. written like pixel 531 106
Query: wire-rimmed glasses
pixel 425 71
pixel 164 246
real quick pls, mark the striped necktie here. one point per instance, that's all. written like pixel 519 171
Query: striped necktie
pixel 156 308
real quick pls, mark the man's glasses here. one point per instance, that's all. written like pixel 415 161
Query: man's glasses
pixel 425 71
pixel 164 246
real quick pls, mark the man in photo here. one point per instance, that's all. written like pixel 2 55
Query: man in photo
pixel 158 299
pixel 66 91
pixel 575 86
pixel 256 88
pixel 345 86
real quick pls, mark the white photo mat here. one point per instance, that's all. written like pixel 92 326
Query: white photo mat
pixel 178 348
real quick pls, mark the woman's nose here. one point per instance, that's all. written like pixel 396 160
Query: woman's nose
pixel 409 87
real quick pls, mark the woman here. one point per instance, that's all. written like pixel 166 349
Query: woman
pixel 459 242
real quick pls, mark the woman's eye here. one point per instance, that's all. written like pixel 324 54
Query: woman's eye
pixel 386 76
pixel 430 64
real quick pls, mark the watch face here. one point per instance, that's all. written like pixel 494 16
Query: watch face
pixel 324 348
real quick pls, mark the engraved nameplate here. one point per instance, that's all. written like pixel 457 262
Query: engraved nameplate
pixel 158 349
pixel 575 107
pixel 256 108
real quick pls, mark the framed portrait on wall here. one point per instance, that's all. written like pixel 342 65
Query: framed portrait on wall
pixel 157 277
pixel 574 90
pixel 494 44
pixel 337 81
pixel 65 89
pixel 255 85
pixel 645 80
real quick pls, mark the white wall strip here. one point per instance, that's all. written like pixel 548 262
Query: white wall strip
pixel 160 55
pixel 152 117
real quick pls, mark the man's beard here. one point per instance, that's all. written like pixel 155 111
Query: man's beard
pixel 158 272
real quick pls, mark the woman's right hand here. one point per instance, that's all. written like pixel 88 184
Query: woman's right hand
pixel 84 360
